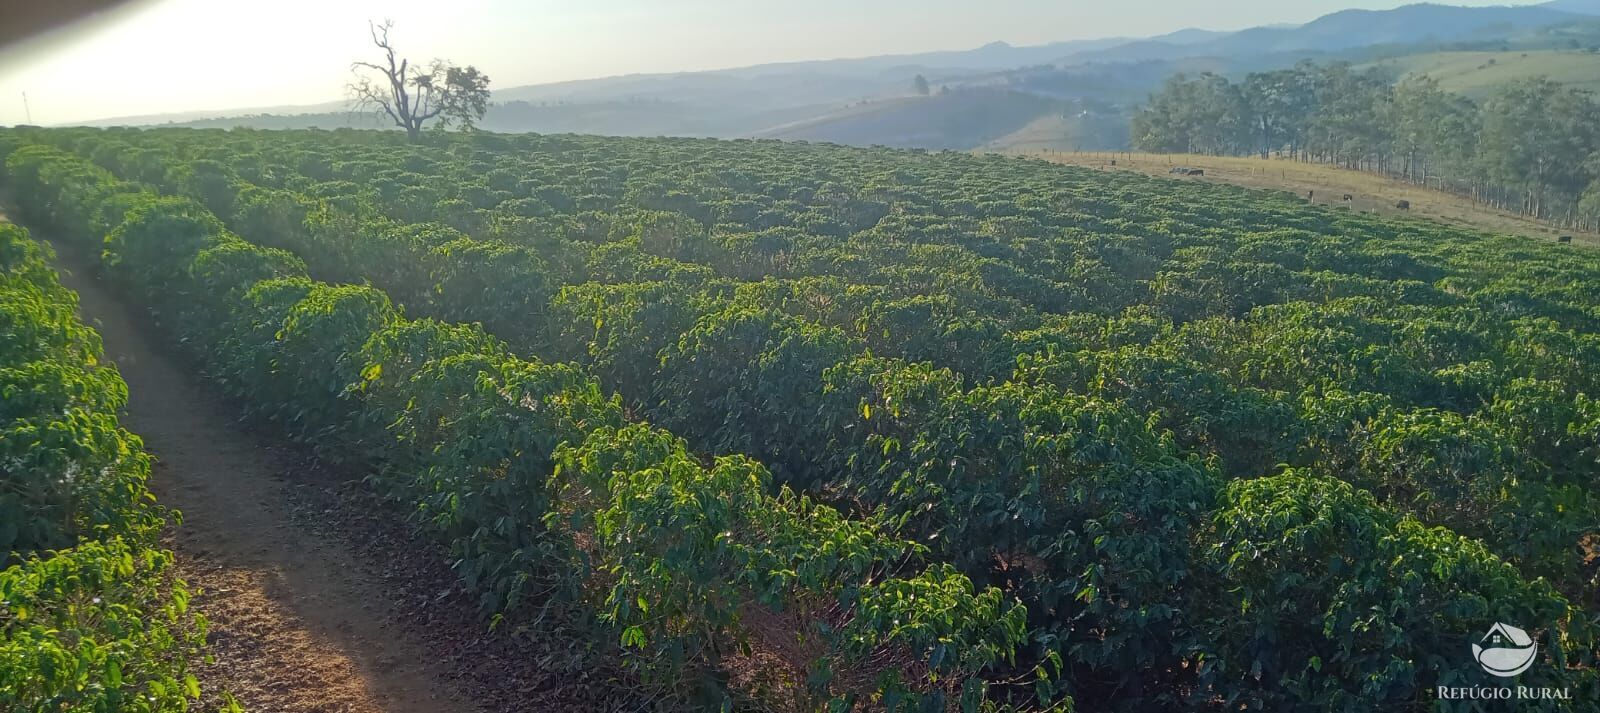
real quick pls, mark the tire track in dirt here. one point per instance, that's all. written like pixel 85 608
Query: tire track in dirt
pixel 300 622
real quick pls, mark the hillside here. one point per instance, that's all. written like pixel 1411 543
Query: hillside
pixel 1324 184
pixel 1347 30
pixel 1586 7
pixel 1476 74
pixel 1060 130
pixel 1422 22
pixel 848 80
pixel 955 120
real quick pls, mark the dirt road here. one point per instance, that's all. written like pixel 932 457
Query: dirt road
pixel 299 621
pixel 321 597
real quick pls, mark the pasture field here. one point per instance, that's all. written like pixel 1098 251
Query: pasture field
pixel 1326 185
pixel 1477 74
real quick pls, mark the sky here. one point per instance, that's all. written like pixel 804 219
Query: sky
pixel 154 56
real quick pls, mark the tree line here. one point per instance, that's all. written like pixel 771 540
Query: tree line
pixel 1532 147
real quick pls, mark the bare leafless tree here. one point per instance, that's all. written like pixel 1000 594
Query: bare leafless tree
pixel 409 96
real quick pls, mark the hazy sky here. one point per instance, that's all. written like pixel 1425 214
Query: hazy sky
pixel 176 55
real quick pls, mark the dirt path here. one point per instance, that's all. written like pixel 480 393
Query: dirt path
pixel 321 597
pixel 296 625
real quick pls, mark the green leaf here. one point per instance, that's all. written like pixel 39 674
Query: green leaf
pixel 633 636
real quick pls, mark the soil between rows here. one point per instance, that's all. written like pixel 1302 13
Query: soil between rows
pixel 321 597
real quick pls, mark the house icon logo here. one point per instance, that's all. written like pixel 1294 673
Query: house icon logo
pixel 1510 650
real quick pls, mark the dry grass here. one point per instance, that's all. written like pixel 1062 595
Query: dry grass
pixel 1477 74
pixel 1326 184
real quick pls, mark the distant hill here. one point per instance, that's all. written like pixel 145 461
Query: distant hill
pixel 1192 36
pixel 733 100
pixel 767 86
pixel 644 118
pixel 318 120
pixel 180 117
pixel 1072 94
pixel 1064 130
pixel 1348 29
pixel 1402 25
pixel 750 89
pixel 1585 7
pixel 954 120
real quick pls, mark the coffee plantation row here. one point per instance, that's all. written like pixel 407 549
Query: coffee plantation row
pixel 536 480
pixel 91 616
pixel 1201 435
